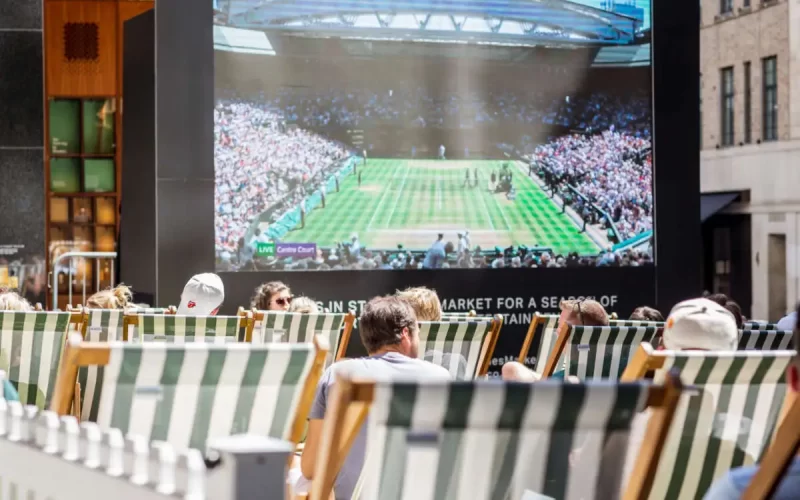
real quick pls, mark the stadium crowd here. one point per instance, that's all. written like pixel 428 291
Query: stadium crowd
pixel 260 164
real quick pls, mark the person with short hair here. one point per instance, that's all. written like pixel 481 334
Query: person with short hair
pixel 202 296
pixel 424 301
pixel 645 313
pixel 272 296
pixel 12 301
pixel 389 331
pixel 732 485
pixel 304 305
pixel 585 312
pixel 119 297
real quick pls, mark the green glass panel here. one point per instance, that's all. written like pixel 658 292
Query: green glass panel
pixel 98 175
pixel 98 126
pixel 65 126
pixel 65 175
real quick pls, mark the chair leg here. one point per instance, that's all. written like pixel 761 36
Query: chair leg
pixel 76 401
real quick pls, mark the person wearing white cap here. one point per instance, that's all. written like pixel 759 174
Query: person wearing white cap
pixel 700 324
pixel 202 296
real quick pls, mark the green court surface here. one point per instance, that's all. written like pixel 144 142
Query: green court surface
pixel 409 201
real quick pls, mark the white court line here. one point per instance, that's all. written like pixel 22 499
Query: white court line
pixel 383 197
pixel 502 212
pixel 397 198
pixel 486 210
pixel 439 191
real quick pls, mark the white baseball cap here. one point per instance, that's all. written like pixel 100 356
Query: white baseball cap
pixel 700 324
pixel 202 295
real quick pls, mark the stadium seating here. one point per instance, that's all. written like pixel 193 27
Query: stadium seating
pixel 765 340
pixel 725 418
pixel 30 350
pixel 596 351
pixel 277 326
pixel 776 460
pixel 481 439
pixel 185 394
pixel 465 348
pixel 179 328
pixel 544 330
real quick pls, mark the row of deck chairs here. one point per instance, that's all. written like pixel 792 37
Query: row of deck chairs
pixel 154 389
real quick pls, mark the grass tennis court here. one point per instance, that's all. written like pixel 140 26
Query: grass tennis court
pixel 409 201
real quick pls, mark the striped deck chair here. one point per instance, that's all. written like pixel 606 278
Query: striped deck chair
pixel 30 350
pixel 634 322
pixel 179 328
pixel 278 326
pixel 541 335
pixel 490 440
pixel 465 348
pixel 104 326
pixel 726 420
pixel 453 315
pixel 131 329
pixel 597 351
pixel 765 340
pixel 186 394
pixel 778 457
pixel 759 325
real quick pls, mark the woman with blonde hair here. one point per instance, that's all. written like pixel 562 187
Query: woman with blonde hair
pixel 424 301
pixel 304 305
pixel 119 297
pixel 12 301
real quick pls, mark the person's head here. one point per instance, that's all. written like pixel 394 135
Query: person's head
pixel 389 324
pixel 12 301
pixel 202 296
pixel 585 312
pixel 700 324
pixel 272 296
pixel 118 297
pixel 645 313
pixel 719 298
pixel 736 311
pixel 303 305
pixel 424 301
pixel 793 370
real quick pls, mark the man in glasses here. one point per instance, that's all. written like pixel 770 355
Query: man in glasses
pixel 586 312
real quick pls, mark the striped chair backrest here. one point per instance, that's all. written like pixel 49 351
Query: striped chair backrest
pixel 276 326
pixel 726 421
pixel 186 394
pixel 634 322
pixel 459 346
pixel 488 440
pixel 107 322
pixel 30 350
pixel 175 328
pixel 759 325
pixel 594 352
pixel 765 340
pixel 541 336
pixel 91 377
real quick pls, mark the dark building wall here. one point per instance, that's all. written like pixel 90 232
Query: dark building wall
pixel 22 204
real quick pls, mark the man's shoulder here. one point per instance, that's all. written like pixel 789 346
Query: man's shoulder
pixel 392 367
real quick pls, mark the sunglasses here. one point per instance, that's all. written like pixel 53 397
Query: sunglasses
pixel 576 307
pixel 284 301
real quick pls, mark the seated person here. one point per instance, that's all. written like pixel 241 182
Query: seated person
pixel 304 305
pixel 644 313
pixel 733 484
pixel 119 297
pixel 428 307
pixel 388 329
pixel 574 313
pixel 202 296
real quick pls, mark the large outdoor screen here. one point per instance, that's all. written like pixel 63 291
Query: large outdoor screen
pixel 389 135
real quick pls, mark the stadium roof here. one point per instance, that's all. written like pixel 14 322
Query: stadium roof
pixel 501 22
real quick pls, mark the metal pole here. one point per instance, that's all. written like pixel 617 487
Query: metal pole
pixel 96 276
pixel 69 284
pixel 113 265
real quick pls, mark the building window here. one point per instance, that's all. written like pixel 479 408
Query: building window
pixel 770 95
pixel 701 111
pixel 725 6
pixel 727 106
pixel 748 105
pixel 746 3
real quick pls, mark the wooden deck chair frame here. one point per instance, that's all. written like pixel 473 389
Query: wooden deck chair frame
pixel 487 350
pixel 351 401
pixel 132 319
pixel 529 336
pixel 78 353
pixel 778 457
pixel 344 340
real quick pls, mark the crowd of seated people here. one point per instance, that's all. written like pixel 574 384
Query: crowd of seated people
pixel 612 170
pixel 260 164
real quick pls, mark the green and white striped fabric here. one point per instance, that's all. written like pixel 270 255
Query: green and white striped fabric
pixel 454 345
pixel 175 328
pixel 759 325
pixel 488 440
pixel 30 350
pixel 603 352
pixel 150 310
pixel 300 328
pixel 107 322
pixel 91 377
pixel 765 340
pixel 545 333
pixel 633 322
pixel 726 421
pixel 186 394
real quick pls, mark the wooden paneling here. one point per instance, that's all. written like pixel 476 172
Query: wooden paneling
pixel 75 64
